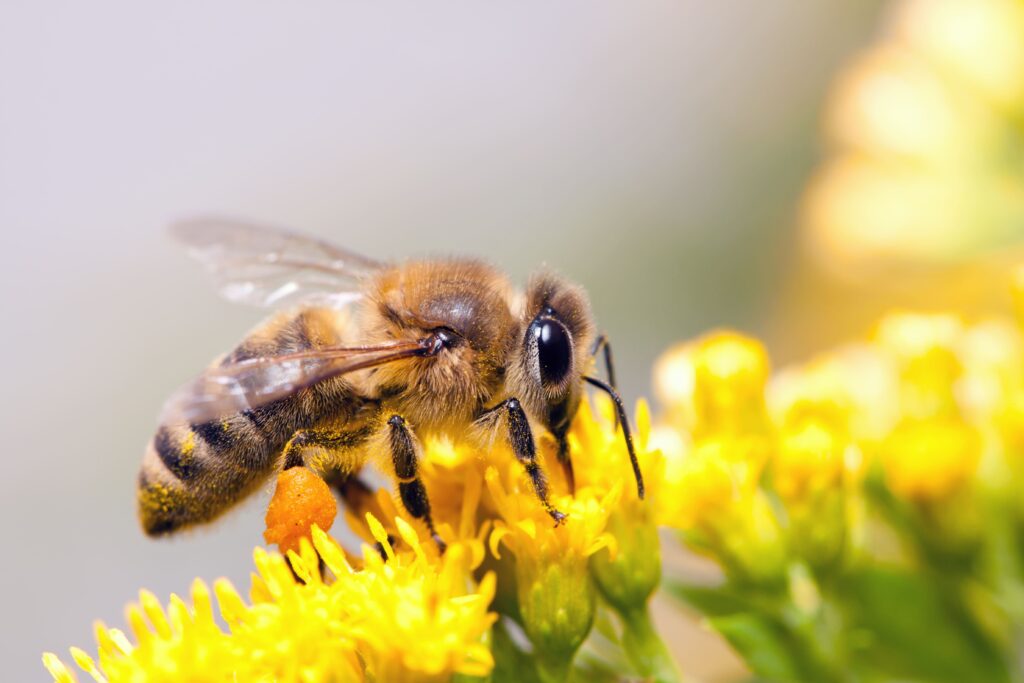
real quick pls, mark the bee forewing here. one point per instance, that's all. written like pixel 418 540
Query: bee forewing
pixel 226 390
pixel 268 266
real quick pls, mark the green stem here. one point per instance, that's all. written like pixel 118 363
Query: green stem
pixel 645 649
pixel 552 670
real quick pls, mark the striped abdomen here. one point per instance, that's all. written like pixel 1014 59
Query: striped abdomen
pixel 193 473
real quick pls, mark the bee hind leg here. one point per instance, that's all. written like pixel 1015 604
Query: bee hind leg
pixel 405 457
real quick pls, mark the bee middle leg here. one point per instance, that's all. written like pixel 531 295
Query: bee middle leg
pixel 405 457
pixel 520 438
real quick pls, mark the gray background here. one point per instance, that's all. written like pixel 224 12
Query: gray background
pixel 653 151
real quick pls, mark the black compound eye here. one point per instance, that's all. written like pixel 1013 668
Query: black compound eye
pixel 554 350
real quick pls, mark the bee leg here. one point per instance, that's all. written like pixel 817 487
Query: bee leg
pixel 342 444
pixel 520 438
pixel 602 344
pixel 410 486
pixel 566 461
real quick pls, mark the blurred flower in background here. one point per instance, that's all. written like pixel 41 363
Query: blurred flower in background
pixel 922 190
pixel 863 507
pixel 926 130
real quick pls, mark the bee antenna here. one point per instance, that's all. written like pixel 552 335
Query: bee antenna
pixel 621 412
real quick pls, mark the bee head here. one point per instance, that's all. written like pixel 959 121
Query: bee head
pixel 558 330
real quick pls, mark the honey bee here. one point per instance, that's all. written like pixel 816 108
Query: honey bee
pixel 366 355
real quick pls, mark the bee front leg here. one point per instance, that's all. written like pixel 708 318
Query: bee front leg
pixel 405 456
pixel 520 438
pixel 602 344
pixel 562 440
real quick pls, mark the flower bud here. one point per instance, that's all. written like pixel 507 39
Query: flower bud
pixel 808 473
pixel 556 602
pixel 924 348
pixel 629 577
pixel 730 376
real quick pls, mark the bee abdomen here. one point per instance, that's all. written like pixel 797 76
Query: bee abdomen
pixel 191 474
pixel 176 454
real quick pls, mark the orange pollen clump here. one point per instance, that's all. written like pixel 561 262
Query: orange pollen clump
pixel 300 500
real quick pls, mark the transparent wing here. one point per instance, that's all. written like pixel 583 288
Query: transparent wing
pixel 225 390
pixel 268 266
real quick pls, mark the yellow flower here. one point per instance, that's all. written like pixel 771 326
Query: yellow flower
pixel 418 619
pixel 629 570
pixel 853 389
pixel 408 619
pixel 926 351
pixel 980 43
pixel 811 459
pixel 921 123
pixel 711 487
pixel 555 595
pixel 929 460
pixel 730 372
pixel 404 611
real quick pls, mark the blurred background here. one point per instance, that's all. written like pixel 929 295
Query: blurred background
pixel 755 165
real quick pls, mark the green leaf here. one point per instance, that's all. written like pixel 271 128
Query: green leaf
pixel 755 627
pixel 711 601
pixel 908 626
pixel 771 649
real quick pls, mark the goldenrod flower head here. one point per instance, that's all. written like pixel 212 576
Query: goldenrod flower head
pixel 415 618
pixel 409 619
pixel 731 371
pixel 813 473
pixel 600 455
pixel 929 460
pixel 811 459
pixel 925 348
pixel 860 211
pixel 628 571
pixel 714 383
pixel 920 123
pixel 892 102
pixel 454 476
pixel 992 356
pixel 555 595
pixel 704 484
pixel 980 42
pixel 675 376
pixel 404 610
pixel 852 389
pixel 527 529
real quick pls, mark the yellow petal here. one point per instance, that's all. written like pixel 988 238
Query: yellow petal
pixel 60 673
